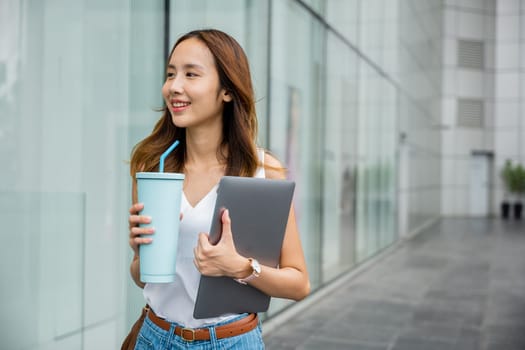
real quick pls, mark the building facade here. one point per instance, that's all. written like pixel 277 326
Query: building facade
pixel 482 108
pixel 363 101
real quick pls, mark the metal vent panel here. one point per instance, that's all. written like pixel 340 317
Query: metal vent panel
pixel 471 54
pixel 470 113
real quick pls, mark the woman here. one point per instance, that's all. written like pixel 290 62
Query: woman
pixel 210 109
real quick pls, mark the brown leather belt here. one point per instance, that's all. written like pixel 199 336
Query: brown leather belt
pixel 233 329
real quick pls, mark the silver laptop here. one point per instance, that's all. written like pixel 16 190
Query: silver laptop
pixel 259 210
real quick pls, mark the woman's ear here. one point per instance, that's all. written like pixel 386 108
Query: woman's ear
pixel 226 96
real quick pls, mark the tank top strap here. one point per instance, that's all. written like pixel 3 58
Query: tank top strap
pixel 260 173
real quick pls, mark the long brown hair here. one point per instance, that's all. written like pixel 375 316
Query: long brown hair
pixel 239 118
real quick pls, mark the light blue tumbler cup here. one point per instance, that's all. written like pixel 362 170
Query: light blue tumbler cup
pixel 161 194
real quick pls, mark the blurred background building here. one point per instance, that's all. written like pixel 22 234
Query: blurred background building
pixel 389 114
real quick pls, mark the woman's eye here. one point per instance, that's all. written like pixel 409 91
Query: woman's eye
pixel 191 75
pixel 170 75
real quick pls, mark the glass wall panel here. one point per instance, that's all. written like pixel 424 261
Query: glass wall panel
pixel 420 52
pixel 387 188
pixel 339 159
pixel 377 180
pixel 317 5
pixel 42 266
pixel 366 233
pixel 65 119
pixel 378 33
pixel 343 16
pixel 371 29
pixel 146 76
pixel 295 117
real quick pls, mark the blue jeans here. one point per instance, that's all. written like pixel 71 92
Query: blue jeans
pixel 152 337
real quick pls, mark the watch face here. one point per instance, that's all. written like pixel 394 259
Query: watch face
pixel 256 267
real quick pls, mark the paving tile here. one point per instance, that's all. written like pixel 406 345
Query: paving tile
pixel 469 339
pixel 440 332
pixel 425 262
pixel 469 310
pixel 294 333
pixel 505 334
pixel 276 344
pixel 416 343
pixel 330 344
pixel 437 314
pixel 499 346
pixel 379 313
pixel 359 333
pixel 376 319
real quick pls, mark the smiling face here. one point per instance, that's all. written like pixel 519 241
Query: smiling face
pixel 192 90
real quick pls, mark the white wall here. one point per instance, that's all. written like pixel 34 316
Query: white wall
pixel 509 100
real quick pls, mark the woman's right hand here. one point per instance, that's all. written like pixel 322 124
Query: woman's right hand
pixel 135 231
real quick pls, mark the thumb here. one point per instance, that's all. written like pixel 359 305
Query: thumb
pixel 226 225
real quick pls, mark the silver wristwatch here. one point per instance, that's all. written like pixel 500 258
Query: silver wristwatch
pixel 256 270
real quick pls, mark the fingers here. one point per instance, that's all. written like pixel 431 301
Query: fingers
pixel 136 208
pixel 137 220
pixel 138 236
pixel 136 232
pixel 201 251
pixel 203 241
pixel 134 219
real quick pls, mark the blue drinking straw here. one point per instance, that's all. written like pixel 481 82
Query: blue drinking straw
pixel 165 154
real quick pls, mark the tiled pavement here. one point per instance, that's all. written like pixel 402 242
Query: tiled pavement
pixel 459 285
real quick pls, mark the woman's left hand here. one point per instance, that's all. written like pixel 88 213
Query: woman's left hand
pixel 221 259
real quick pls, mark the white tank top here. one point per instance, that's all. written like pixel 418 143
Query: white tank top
pixel 175 301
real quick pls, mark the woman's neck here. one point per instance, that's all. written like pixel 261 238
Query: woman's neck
pixel 202 148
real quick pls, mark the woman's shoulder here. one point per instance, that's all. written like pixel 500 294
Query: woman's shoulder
pixel 273 167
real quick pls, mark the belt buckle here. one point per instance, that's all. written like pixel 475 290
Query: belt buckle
pixel 190 330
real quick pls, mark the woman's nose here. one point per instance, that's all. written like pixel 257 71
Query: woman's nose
pixel 176 84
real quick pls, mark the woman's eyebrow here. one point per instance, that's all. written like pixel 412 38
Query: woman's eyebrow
pixel 187 66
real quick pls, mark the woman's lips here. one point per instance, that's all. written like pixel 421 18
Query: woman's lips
pixel 178 106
